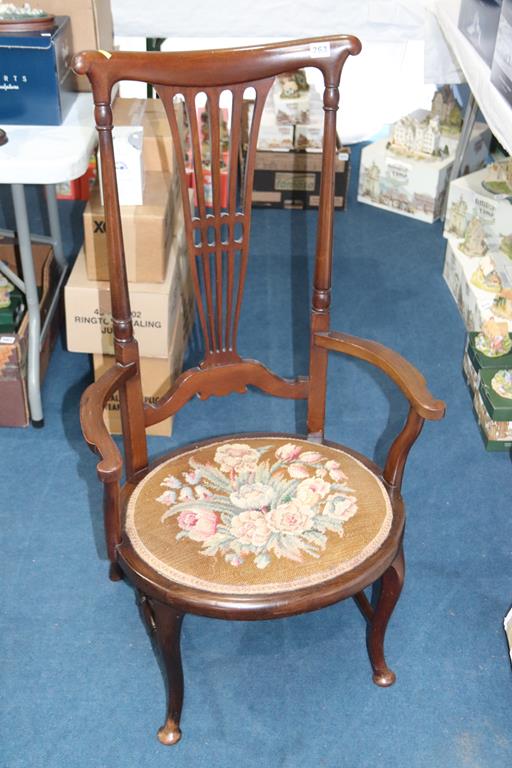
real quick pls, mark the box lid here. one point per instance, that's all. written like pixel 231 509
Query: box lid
pixel 481 361
pixel 34 39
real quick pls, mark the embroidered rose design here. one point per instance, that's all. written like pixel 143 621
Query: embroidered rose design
pixel 260 503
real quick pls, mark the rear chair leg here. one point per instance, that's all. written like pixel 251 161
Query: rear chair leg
pixel 167 622
pixel 390 587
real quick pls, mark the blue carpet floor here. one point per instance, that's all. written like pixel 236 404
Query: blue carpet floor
pixel 80 685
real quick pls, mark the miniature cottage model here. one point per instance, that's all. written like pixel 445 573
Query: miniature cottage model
pixel 446 108
pixel 411 135
pixel 456 219
pixel 474 240
pixel 370 181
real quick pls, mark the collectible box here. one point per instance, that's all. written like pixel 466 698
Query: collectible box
pixel 478 213
pixel 157 375
pixel 35 76
pixel 480 361
pixel 154 307
pixel 147 231
pixel 478 22
pixel 91 28
pixel 14 411
pixel 496 392
pixel 414 183
pixel 501 70
pixel 475 305
pixel 158 149
pixel 497 435
pixel 292 179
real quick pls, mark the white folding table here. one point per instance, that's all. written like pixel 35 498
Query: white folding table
pixel 44 155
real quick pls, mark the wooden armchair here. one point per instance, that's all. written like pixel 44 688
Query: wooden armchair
pixel 252 526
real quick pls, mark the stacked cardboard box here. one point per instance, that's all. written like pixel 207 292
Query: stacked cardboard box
pixel 14 411
pixel 157 267
pixel 478 262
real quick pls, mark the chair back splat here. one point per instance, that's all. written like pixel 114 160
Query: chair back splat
pixel 217 236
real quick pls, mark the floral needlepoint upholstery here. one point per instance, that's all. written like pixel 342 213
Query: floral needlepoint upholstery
pixel 258 515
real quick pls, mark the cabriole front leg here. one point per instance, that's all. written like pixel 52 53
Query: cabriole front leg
pixel 168 629
pixel 390 588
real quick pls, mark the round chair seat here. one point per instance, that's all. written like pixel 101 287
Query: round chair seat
pixel 258 515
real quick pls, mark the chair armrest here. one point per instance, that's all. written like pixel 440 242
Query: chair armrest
pixel 94 430
pixel 406 376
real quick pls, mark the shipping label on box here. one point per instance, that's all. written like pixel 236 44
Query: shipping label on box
pixel 157 376
pixel 410 186
pixel 292 179
pixel 147 231
pixel 153 305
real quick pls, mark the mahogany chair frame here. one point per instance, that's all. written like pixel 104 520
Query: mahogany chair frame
pixel 222 370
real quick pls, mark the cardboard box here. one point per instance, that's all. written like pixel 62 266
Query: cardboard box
pixel 475 305
pixel 478 22
pixel 14 410
pixel 35 76
pixel 154 307
pixel 414 187
pixel 292 179
pixel 91 28
pixel 147 232
pixel 157 375
pixel 470 203
pixel 158 149
pixel 501 71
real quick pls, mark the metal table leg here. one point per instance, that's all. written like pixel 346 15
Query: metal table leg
pixel 55 233
pixel 32 298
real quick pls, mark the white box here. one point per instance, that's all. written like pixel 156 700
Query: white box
pixel 153 305
pixel 413 187
pixel 128 143
pixel 468 201
pixel 275 137
pixel 475 305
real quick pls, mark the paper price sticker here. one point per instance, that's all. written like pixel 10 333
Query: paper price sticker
pixel 7 339
pixel 319 50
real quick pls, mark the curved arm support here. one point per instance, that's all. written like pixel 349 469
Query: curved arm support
pixel 407 378
pixel 400 447
pixel 94 430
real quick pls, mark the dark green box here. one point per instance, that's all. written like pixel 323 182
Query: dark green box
pixel 482 362
pixel 498 408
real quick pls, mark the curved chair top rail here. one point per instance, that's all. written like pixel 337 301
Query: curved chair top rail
pixel 220 67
